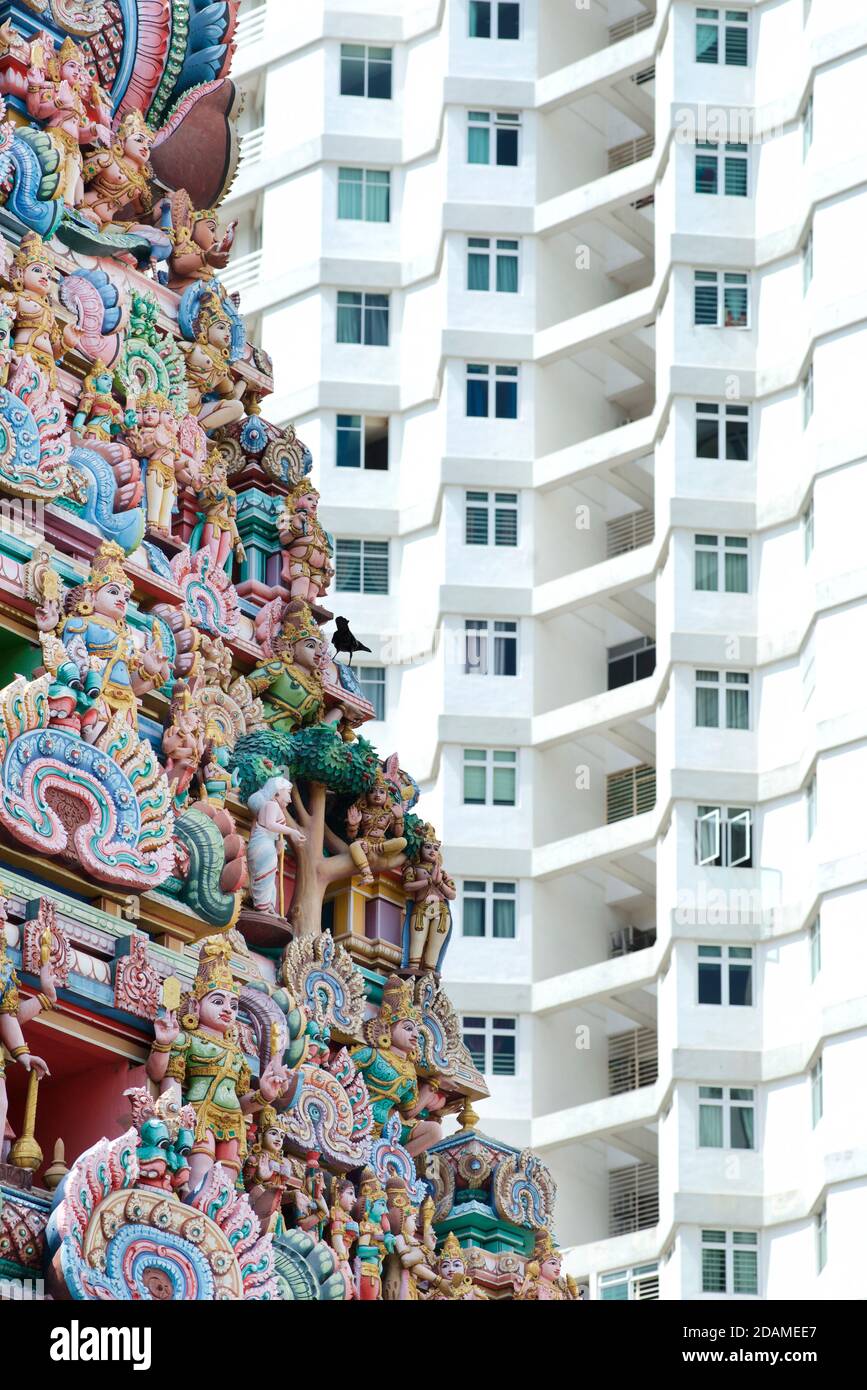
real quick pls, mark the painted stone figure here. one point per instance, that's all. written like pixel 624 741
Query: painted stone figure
pixel 429 921
pixel 291 683
pixel 307 567
pixel 118 178
pixel 14 1011
pixel 214 396
pixel 388 1064
pixel 99 416
pixel 375 1240
pixel 374 826
pixel 37 333
pixel 218 509
pixel 199 248
pixel 343 1231
pixel 268 1175
pixel 154 438
pixel 266 847
pixel 543 1278
pixel 200 1059
pixel 74 109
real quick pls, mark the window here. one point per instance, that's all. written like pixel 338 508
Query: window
pixel 503 405
pixel 807 126
pixel 489 908
pixel 372 682
pixel 495 19
pixel 361 567
pixel 807 395
pixel 362 318
pixel 709 688
pixel 364 195
pixel 492 137
pixel 491 518
pixel 722 432
pixel 730 1262
pixel 821 1239
pixel 722 36
pixel 631 661
pixel 505 267
pixel 815 947
pixel 722 168
pixel 726 1117
pixel 477 648
pixel 807 260
pixel 721 299
pixel 725 975
pixel 623 1285
pixel 362 441
pixel 722 563
pixel 816 1092
pixel 811 807
pixel 365 71
pixel 808 524
pixel 490 777
pixel 491 1042
pixel 723 837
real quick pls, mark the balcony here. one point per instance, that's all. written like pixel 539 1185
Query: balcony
pixel 250 28
pixel 633 1200
pixel 627 27
pixel 629 532
pixel 630 793
pixel 243 274
pixel 625 941
pixel 630 152
pixel 252 147
pixel 632 1060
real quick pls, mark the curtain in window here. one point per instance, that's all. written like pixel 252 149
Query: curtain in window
pixel 743 1127
pixel 504 918
pixel 710 1126
pixel 504 786
pixel 350 194
pixel 474 917
pixel 706 43
pixel 737 709
pixel 378 196
pixel 507 274
pixel 348 317
pixel 706 708
pixel 477 397
pixel 480 19
pixel 706 571
pixel 376 320
pixel 478 271
pixel 475 785
pixel 478 145
pixel 736 574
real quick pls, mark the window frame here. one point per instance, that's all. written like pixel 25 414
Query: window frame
pixel 361 431
pixel 493 891
pixel 707 680
pixel 490 763
pixel 727 1102
pixel 489 643
pixel 720 546
pixel 493 123
pixel 378 686
pixel 723 21
pixel 727 962
pixel 815 944
pixel 367 49
pixel 493 249
pixel 494 16
pixel 817 1091
pixel 494 504
pixel 365 172
pixel 729 413
pixel 749 1242
pixel 493 375
pixel 364 554
pixel 488 1031
pixel 722 153
pixel 722 856
pixel 723 281
pixel 629 1278
pixel 366 310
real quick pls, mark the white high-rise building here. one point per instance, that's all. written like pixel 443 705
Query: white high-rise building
pixel 569 301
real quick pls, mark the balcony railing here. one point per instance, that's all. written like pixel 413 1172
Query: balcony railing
pixel 633 1201
pixel 632 1060
pixel 627 27
pixel 630 793
pixel 243 274
pixel 625 941
pixel 252 145
pixel 629 532
pixel 250 28
pixel 630 152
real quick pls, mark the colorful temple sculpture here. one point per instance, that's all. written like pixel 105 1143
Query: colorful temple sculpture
pixel 229 1069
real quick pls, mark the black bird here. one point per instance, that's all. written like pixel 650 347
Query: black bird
pixel 344 639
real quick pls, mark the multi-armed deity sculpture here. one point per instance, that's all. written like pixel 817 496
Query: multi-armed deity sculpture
pixel 202 854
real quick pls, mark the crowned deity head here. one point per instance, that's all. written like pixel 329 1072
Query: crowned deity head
pixel 135 138
pixel 213 325
pixel 213 1002
pixel 303 497
pixel 430 851
pixel 32 266
pixel 107 590
pixel 548 1258
pixel 380 793
pixel 152 406
pixel 68 64
pixel 270 1132
pixel 397 1025
pixel 99 380
pixel 206 229
pixel 452 1264
pixel 300 636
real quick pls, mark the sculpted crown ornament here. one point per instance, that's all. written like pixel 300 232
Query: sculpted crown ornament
pixel 215 971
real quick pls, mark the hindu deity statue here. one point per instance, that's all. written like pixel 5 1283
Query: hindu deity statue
pixel 99 673
pixel 271 829
pixel 73 108
pixel 430 890
pixel 291 682
pixel 343 1230
pixel 215 779
pixel 99 416
pixel 374 827
pixel 268 1175
pixel 14 1011
pixel 410 1262
pixel 184 742
pixel 310 1207
pixel 213 395
pixel 218 509
pixel 456 1285
pixel 37 333
pixel 375 1240
pixel 154 438
pixel 199 248
pixel 307 567
pixel 199 1058
pixel 388 1064
pixel 543 1280
pixel 166 1137
pixel 118 178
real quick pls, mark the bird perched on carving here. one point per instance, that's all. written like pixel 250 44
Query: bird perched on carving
pixel 344 639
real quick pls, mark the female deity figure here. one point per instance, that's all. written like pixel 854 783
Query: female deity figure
pixel 456 1285
pixel 311 1208
pixel 37 333
pixel 218 509
pixel 343 1231
pixel 307 567
pixel 99 416
pixel 154 438
pixel 291 682
pixel 410 1252
pixel 119 178
pixel 201 1060
pixel 214 397
pixel 184 742
pixel 101 673
pixel 74 109
pixel 388 1064
pixel 543 1280
pixel 267 1174
pixel 430 890
pixel 14 1011
pixel 265 849
pixel 375 1240
pixel 374 826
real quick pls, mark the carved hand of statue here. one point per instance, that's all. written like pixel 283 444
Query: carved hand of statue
pixel 31 1063
pixel 48 615
pixel 353 818
pixel 429 1098
pixel 274 1081
pixel 297 836
pixel 155 665
pixel 166 1028
pixel 48 982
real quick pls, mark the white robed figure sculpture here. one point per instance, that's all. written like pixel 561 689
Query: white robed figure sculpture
pixel 265 849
